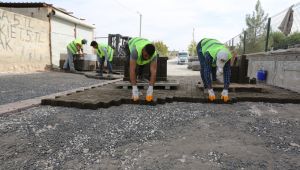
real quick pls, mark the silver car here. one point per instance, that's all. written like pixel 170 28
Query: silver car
pixel 182 58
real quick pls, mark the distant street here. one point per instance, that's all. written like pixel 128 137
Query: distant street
pixel 180 70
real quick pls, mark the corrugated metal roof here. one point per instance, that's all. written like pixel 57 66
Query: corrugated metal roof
pixel 32 5
pixel 24 4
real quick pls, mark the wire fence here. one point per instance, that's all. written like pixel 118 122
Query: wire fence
pixel 267 36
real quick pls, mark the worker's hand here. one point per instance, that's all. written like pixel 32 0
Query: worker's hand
pixel 224 95
pixel 149 97
pixel 211 95
pixel 135 93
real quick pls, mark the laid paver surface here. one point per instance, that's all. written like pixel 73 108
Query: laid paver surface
pixel 26 86
pixel 110 95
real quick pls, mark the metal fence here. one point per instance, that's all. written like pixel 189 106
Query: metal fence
pixel 267 36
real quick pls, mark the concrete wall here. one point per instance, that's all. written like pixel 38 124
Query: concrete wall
pixel 88 34
pixel 62 33
pixel 24 42
pixel 283 67
pixel 37 13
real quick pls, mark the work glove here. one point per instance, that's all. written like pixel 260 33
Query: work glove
pixel 135 93
pixel 149 97
pixel 224 95
pixel 211 95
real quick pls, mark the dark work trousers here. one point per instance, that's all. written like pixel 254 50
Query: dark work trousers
pixel 101 65
pixel 202 63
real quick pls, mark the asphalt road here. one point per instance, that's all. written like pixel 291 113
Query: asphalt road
pixel 19 87
pixel 180 70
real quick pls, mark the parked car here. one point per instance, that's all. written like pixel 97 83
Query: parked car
pixel 182 58
pixel 191 60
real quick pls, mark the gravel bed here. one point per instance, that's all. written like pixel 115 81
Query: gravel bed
pixel 170 136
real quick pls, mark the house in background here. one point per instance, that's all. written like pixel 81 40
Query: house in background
pixel 34 35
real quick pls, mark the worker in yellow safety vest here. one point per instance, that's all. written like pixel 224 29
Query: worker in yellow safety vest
pixel 74 47
pixel 142 52
pixel 104 52
pixel 212 53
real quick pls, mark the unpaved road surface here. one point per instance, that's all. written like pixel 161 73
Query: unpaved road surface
pixel 170 136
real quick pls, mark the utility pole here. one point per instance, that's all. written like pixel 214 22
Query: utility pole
pixel 193 34
pixel 140 23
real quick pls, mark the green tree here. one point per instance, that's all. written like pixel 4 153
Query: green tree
pixel 256 29
pixel 161 48
pixel 192 48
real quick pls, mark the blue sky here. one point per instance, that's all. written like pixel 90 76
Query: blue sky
pixel 171 21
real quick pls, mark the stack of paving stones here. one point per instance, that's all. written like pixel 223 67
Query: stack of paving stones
pixel 161 74
pixel 188 91
pixel 118 64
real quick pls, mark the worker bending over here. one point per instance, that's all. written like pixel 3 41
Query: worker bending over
pixel 74 47
pixel 142 52
pixel 104 52
pixel 212 53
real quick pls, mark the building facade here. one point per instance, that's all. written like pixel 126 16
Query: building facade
pixel 34 35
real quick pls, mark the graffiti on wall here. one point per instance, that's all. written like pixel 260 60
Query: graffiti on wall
pixel 23 38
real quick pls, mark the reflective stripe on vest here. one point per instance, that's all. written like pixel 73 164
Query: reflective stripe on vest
pixel 139 44
pixel 110 53
pixel 213 46
pixel 109 50
pixel 206 43
pixel 100 51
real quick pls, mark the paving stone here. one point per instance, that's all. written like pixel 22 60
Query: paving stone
pixel 188 91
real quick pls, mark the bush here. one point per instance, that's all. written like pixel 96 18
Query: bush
pixel 293 39
pixel 280 41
